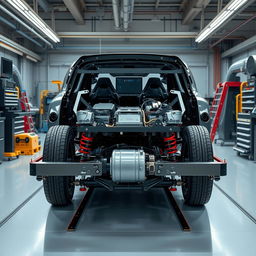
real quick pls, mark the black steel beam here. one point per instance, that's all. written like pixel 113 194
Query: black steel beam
pixel 132 71
pixel 93 168
pixel 214 169
pixel 137 129
pixel 183 222
pixel 78 213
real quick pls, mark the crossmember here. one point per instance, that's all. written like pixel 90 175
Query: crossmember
pixel 95 168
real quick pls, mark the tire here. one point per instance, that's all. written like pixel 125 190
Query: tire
pixel 59 147
pixel 197 147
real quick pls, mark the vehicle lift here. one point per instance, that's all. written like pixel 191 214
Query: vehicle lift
pixel 168 191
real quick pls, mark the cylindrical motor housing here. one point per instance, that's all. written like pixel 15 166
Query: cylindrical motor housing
pixel 127 165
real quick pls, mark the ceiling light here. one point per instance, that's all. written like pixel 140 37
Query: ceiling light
pixel 31 58
pixel 6 46
pixel 24 9
pixel 227 11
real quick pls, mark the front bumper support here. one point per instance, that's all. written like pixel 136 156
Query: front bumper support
pixel 91 168
pixel 95 168
pixel 214 169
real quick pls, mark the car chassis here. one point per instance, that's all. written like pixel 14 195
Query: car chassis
pixel 107 130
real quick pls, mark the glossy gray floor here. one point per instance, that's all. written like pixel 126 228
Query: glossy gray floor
pixel 240 180
pixel 127 222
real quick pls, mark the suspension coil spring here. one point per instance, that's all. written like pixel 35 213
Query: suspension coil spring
pixel 171 144
pixel 86 144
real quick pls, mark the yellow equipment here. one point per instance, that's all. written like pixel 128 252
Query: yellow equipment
pixel 27 143
pixel 10 155
pixel 43 94
pixel 59 83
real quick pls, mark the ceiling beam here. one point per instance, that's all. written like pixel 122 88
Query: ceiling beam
pixel 44 5
pixel 157 4
pixel 17 48
pixel 242 47
pixel 157 35
pixel 192 9
pixel 82 4
pixel 76 10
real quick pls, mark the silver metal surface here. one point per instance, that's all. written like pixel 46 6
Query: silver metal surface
pixel 173 117
pixel 127 165
pixel 85 117
pixel 129 116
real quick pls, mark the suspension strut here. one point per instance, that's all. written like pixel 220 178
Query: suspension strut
pixel 170 142
pixel 86 144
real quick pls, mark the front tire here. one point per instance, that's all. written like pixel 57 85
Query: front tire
pixel 197 147
pixel 59 147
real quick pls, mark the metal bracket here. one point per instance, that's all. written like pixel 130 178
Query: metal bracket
pixel 165 168
pixel 90 168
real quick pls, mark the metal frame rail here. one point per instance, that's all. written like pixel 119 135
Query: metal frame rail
pixel 79 211
pixel 182 220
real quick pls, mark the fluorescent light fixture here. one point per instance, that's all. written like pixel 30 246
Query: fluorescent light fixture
pixel 6 46
pixel 18 49
pixel 31 58
pixel 24 9
pixel 227 11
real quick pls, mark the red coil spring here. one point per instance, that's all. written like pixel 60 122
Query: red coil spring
pixel 171 144
pixel 85 144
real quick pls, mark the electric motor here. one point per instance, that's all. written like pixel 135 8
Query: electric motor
pixel 127 165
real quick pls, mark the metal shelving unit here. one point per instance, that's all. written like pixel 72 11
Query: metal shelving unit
pixel 246 121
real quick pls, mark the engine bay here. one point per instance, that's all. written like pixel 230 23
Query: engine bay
pixel 129 101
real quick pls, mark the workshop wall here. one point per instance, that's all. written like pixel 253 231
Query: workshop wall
pixel 26 68
pixel 55 65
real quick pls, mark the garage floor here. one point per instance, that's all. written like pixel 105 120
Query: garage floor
pixel 130 222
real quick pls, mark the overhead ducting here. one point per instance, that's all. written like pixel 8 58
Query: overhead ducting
pixel 76 10
pixel 235 68
pixel 115 4
pixel 192 9
pixel 127 12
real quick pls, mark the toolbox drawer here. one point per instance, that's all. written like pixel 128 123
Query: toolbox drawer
pixel 1 149
pixel 1 128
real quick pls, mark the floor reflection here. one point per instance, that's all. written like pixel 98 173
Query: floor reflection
pixel 128 221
